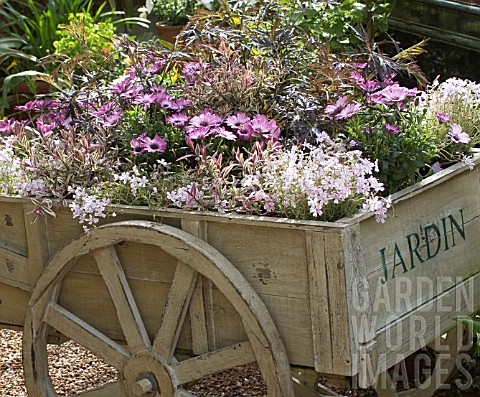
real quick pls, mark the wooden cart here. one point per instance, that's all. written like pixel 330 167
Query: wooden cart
pixel 167 297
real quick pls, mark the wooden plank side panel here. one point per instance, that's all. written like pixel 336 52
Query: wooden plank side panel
pixel 37 242
pixel 13 305
pixel 14 269
pixel 430 243
pixel 12 227
pixel 319 302
pixel 337 291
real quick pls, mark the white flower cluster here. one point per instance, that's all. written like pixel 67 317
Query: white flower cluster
pixel 12 176
pixel 87 207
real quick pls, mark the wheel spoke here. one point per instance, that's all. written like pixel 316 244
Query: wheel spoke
pixel 78 330
pixel 114 389
pixel 175 310
pixel 209 363
pixel 125 305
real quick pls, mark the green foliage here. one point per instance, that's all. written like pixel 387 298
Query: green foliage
pixel 174 12
pixel 96 36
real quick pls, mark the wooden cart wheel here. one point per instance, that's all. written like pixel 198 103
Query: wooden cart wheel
pixel 446 349
pixel 150 368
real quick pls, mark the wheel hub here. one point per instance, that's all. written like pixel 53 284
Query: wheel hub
pixel 146 375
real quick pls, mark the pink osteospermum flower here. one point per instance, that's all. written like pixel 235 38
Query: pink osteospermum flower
pixel 263 127
pixel 145 99
pixel 177 119
pixel 157 144
pixel 391 128
pixel 138 145
pixel 206 119
pixel 457 135
pixel 442 117
pixel 336 107
pixel 221 132
pixel 104 109
pixel 348 111
pixel 112 119
pixel 237 121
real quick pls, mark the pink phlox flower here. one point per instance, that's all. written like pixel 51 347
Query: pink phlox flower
pixel 457 135
pixel 138 144
pixel 104 109
pixel 112 119
pixel 436 167
pixel 157 144
pixel 348 111
pixel 221 132
pixel 442 117
pixel 336 107
pixel 145 99
pixel 177 119
pixel 391 128
pixel 237 121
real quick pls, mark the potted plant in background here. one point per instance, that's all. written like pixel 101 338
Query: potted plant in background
pixel 171 15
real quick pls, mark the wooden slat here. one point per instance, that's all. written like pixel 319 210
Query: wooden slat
pixel 125 305
pixel 175 310
pixel 209 363
pixel 319 303
pixel 82 333
pixel 337 290
pixel 197 311
pixel 14 269
pixel 37 242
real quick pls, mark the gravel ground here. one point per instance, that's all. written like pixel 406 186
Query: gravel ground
pixel 73 369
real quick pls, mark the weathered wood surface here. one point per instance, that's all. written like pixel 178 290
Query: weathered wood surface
pixel 321 282
pixel 143 355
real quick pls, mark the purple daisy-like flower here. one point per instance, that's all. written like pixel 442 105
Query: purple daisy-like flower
pixel 436 167
pixel 166 101
pixel 336 107
pixel 183 103
pixel 394 93
pixel 133 92
pixel 8 126
pixel 138 145
pixel 457 135
pixel 122 86
pixel 442 117
pixel 222 132
pixel 112 119
pixel 244 133
pixel 348 111
pixel 157 144
pixel 263 127
pixel 391 128
pixel 237 121
pixel 199 132
pixel 177 119
pixel 158 89
pixel 104 109
pixel 155 68
pixel 206 119
pixel 145 99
